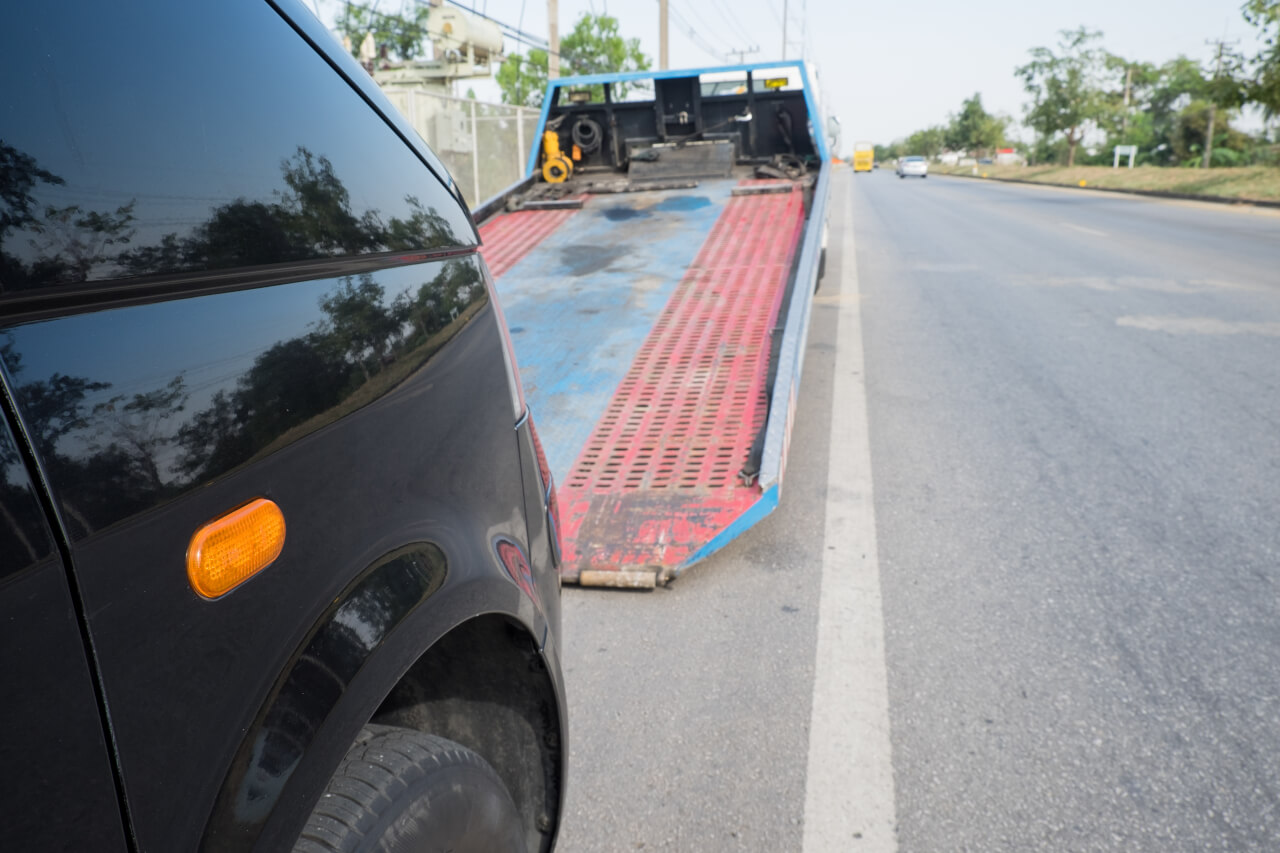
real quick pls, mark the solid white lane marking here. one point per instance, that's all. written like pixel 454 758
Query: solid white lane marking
pixel 1093 232
pixel 1200 326
pixel 849 797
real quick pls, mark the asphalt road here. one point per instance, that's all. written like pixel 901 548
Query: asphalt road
pixel 1073 404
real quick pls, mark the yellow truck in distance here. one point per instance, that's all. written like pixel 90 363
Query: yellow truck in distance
pixel 864 157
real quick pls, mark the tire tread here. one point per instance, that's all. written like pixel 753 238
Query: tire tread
pixel 383 762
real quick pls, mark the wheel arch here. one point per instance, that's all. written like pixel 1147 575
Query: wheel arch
pixel 363 657
pixel 463 689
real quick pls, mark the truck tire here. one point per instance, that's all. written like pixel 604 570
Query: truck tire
pixel 402 791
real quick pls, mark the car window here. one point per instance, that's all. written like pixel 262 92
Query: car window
pixel 24 538
pixel 142 151
pixel 130 410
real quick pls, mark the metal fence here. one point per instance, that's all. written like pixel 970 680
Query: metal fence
pixel 485 146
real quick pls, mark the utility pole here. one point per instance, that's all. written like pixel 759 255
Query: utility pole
pixel 804 28
pixel 553 39
pixel 784 29
pixel 742 54
pixel 1124 120
pixel 1213 104
pixel 662 35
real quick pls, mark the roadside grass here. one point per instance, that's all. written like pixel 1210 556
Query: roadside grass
pixel 1259 183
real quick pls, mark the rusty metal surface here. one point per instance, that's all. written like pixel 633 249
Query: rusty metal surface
pixel 656 481
pixel 581 303
pixel 642 331
pixel 510 237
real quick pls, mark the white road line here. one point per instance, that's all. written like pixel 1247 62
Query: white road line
pixel 1093 232
pixel 849 797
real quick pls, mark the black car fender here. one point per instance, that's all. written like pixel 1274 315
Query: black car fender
pixel 351 661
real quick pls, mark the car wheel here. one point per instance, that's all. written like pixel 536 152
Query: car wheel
pixel 401 790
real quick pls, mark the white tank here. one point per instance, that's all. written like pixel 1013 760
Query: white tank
pixel 452 29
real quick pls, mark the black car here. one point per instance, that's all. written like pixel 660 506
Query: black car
pixel 277 550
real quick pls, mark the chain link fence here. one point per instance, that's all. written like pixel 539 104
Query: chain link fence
pixel 485 146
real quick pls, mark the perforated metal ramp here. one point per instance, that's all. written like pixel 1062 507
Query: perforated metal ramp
pixel 642 328
pixel 656 487
pixel 511 236
pixel 581 301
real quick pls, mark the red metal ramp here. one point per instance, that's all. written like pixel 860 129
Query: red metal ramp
pixel 656 487
pixel 511 236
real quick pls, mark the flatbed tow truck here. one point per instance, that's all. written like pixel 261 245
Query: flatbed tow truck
pixel 657 267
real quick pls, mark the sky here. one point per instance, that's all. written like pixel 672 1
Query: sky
pixel 888 69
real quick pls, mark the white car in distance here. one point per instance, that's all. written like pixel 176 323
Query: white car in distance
pixel 913 166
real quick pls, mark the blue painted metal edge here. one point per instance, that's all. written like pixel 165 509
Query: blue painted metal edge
pixel 628 76
pixel 766 504
pixel 542 123
pixel 816 131
pixel 786 385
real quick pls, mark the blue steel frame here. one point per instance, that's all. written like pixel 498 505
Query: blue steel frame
pixel 816 130
pixel 786 386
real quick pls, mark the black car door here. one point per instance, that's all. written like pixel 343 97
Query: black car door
pixel 56 786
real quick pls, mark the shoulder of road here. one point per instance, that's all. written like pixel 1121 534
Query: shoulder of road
pixel 1061 180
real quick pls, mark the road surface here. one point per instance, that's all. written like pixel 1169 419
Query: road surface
pixel 1023 583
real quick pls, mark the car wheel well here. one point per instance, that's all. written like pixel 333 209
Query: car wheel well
pixel 485 686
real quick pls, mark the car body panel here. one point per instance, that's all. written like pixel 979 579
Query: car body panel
pixel 57 787
pixel 135 484
pixel 232 280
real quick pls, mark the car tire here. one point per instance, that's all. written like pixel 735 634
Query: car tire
pixel 401 790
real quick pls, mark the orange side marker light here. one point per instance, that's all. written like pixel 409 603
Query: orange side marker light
pixel 229 550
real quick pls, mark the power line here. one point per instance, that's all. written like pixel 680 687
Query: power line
pixel 698 40
pixel 514 33
pixel 773 10
pixel 715 31
pixel 733 21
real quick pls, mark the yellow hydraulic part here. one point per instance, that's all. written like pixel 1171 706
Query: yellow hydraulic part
pixel 556 168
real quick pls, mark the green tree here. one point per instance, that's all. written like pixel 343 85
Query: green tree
pixel 1066 87
pixel 928 142
pixel 594 47
pixel 1159 97
pixel 891 151
pixel 398 36
pixel 1263 85
pixel 1225 90
pixel 523 79
pixel 974 129
pixel 1129 78
pixel 1188 141
pixel 1180 111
